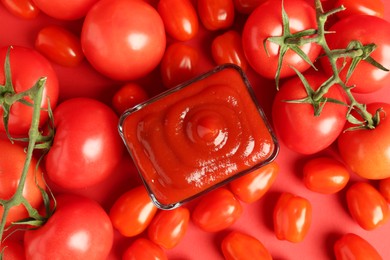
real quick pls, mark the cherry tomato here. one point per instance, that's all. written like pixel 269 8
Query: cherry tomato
pixel 22 8
pixel 292 217
pixel 132 212
pixel 143 248
pixel 367 206
pixel 217 210
pixel 240 246
pixel 351 246
pixel 325 175
pixel 65 10
pixel 86 147
pixel 216 14
pixel 384 188
pixel 246 6
pixel 118 43
pixel 59 45
pixel 252 186
pixel 12 250
pixel 366 151
pixel 227 48
pixel 129 95
pixel 368 7
pixel 169 227
pixel 180 18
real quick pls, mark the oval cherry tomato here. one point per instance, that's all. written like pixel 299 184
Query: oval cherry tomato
pixel 217 210
pixel 384 188
pixel 351 246
pixel 143 248
pixel 368 7
pixel 180 18
pixel 367 206
pixel 22 8
pixel 168 227
pixel 325 175
pixel 252 186
pixel 59 45
pixel 132 212
pixel 129 95
pixel 292 217
pixel 240 246
pixel 69 10
pixel 246 6
pixel 216 14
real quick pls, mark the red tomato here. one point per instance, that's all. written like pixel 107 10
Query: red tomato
pixel 240 246
pixel 22 8
pixel 227 48
pixel 246 6
pixel 180 18
pixel 65 10
pixel 143 248
pixel 384 188
pixel 118 43
pixel 12 250
pixel 129 95
pixel 297 126
pixel 86 147
pixel 169 227
pixel 351 246
pixel 216 14
pixel 325 175
pixel 292 217
pixel 252 186
pixel 266 21
pixel 368 7
pixel 59 45
pixel 132 212
pixel 367 206
pixel 366 151
pixel 23 77
pixel 217 210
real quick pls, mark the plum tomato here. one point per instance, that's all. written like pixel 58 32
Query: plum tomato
pixel 367 206
pixel 25 9
pixel 129 95
pixel 143 248
pixel 384 188
pixel 252 186
pixel 292 217
pixel 65 10
pixel 118 43
pixel 216 14
pixel 352 246
pixel 325 175
pixel 246 6
pixel 368 7
pixel 132 212
pixel 217 210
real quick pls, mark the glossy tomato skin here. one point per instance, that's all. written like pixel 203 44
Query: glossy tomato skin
pixel 373 159
pixel 355 7
pixel 292 217
pixel 118 43
pixel 216 210
pixel 25 9
pixel 65 10
pixel 143 248
pixel 295 123
pixel 367 206
pixel 266 21
pixel 86 147
pixel 216 14
pixel 12 250
pixel 132 212
pixel 384 188
pixel 129 95
pixel 180 18
pixel 352 246
pixel 241 246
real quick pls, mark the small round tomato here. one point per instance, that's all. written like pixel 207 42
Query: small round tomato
pixel 168 227
pixel 384 188
pixel 59 45
pixel 240 246
pixel 292 217
pixel 143 248
pixel 132 212
pixel 65 10
pixel 368 7
pixel 351 246
pixel 216 14
pixel 246 6
pixel 252 186
pixel 129 95
pixel 367 206
pixel 217 210
pixel 22 8
pixel 325 175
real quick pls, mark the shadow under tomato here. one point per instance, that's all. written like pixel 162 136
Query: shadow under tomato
pixel 267 207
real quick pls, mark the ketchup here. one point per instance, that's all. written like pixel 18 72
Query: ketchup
pixel 197 136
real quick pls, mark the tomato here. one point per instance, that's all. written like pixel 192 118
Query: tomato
pixel 180 18
pixel 325 175
pixel 384 188
pixel 69 10
pixel 12 250
pixel 169 227
pixel 59 45
pixel 86 147
pixel 227 48
pixel 129 95
pixel 292 217
pixel 351 246
pixel 132 212
pixel 240 246
pixel 246 6
pixel 143 248
pixel 368 7
pixel 366 29
pixel 252 186
pixel 22 8
pixel 366 151
pixel 78 229
pixel 216 14
pixel 216 210
pixel 118 43
pixel 22 60
pixel 266 21
pixel 297 126
pixel 367 206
